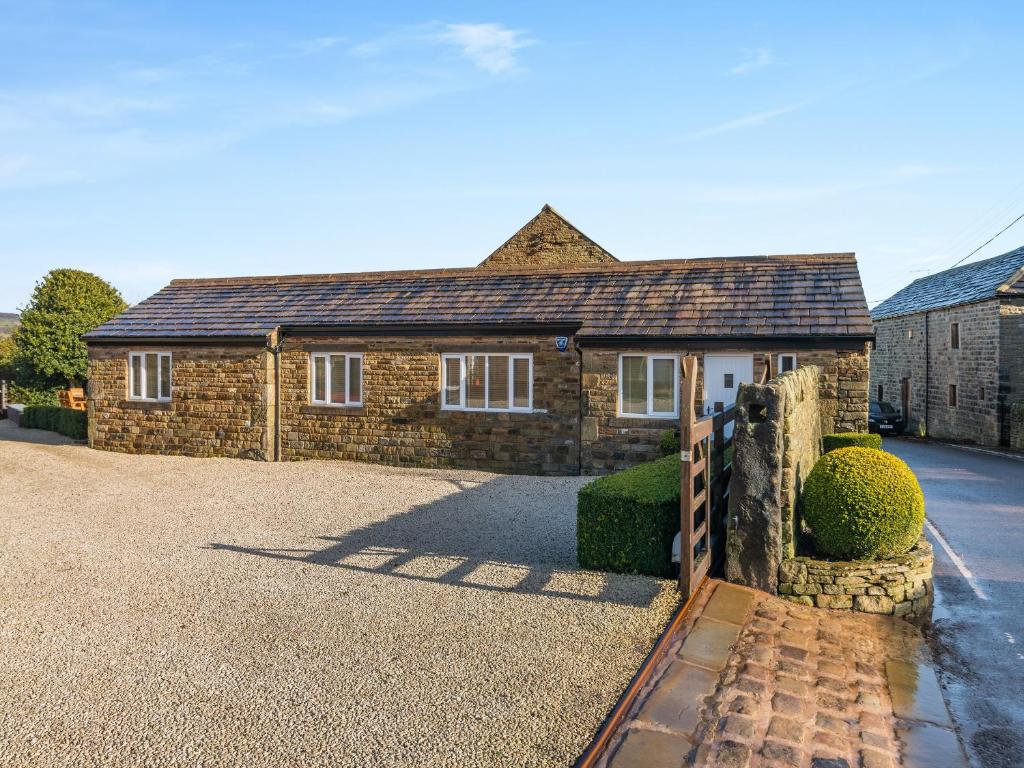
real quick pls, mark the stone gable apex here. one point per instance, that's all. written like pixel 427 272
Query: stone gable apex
pixel 548 239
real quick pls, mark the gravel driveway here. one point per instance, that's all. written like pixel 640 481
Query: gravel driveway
pixel 170 611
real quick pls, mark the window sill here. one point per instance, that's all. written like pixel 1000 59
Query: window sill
pixel 333 410
pixel 648 417
pixel 641 422
pixel 146 405
pixel 520 411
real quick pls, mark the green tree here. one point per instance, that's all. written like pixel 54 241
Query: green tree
pixel 66 304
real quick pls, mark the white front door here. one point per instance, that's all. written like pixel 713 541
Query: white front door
pixel 723 375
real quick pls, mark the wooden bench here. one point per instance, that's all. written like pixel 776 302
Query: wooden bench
pixel 73 398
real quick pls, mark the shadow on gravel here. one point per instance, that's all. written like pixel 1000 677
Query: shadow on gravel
pixel 475 538
pixel 12 433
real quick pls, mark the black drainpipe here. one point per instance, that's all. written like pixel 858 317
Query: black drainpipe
pixel 579 425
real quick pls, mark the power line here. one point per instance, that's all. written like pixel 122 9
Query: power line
pixel 997 234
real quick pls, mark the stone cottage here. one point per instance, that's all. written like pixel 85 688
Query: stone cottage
pixel 550 357
pixel 949 351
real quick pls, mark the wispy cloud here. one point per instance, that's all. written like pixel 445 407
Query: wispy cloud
pixel 490 47
pixel 317 45
pixel 753 61
pixel 747 121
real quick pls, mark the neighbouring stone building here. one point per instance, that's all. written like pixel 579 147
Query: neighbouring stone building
pixel 550 357
pixel 949 351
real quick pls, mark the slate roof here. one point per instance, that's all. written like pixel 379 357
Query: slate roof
pixel 760 296
pixel 977 281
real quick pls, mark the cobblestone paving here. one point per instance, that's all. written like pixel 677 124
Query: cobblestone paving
pixel 757 681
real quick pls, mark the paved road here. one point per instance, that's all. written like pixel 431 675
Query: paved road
pixel 975 504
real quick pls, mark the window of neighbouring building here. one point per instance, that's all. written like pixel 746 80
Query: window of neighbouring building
pixel 880 398
pixel 149 376
pixel 336 378
pixel 787 362
pixel 954 335
pixel 487 382
pixel 952 394
pixel 649 386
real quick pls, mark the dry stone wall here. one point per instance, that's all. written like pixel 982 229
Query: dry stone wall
pixel 777 442
pixel 900 586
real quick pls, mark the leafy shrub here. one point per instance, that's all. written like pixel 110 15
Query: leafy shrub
pixel 669 443
pixel 626 522
pixel 31 395
pixel 64 305
pixel 863 504
pixel 66 421
pixel 851 439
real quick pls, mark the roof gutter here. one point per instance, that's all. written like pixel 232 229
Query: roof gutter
pixel 769 342
pixel 171 341
pixel 429 329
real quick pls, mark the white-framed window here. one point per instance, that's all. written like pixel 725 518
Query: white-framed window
pixel 336 378
pixel 649 386
pixel 486 382
pixel 149 376
pixel 787 362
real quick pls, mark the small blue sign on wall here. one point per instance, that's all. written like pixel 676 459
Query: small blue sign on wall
pixel 561 343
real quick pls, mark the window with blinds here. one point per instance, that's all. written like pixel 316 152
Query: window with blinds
pixel 649 386
pixel 336 378
pixel 149 376
pixel 486 382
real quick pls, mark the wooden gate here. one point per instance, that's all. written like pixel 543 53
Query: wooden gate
pixel 705 469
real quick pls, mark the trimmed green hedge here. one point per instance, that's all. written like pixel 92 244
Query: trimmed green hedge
pixel 851 440
pixel 863 504
pixel 668 445
pixel 626 522
pixel 66 421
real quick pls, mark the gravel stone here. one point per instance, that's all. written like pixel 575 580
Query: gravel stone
pixel 161 611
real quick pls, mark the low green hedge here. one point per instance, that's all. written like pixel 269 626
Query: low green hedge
pixel 668 445
pixel 851 440
pixel 626 522
pixel 66 421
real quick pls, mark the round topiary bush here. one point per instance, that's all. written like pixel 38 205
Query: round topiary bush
pixel 863 504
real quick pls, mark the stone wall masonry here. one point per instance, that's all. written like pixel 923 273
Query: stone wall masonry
pixel 1017 426
pixel 401 421
pixel 801 448
pixel 777 442
pixel 218 408
pixel 1011 370
pixel 900 586
pixel 974 368
pixel 223 401
pixel 547 240
pixel 612 442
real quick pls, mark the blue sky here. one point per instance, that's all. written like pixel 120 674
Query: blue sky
pixel 150 141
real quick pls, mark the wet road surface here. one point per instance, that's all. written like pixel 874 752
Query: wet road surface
pixel 975 507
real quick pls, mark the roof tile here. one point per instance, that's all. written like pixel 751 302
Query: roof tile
pixel 785 295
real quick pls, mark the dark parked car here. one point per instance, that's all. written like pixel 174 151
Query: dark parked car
pixel 885 419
